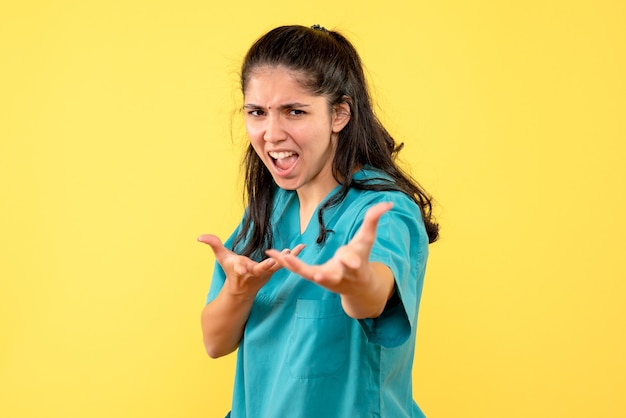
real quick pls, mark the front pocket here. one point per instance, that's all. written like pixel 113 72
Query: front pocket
pixel 318 344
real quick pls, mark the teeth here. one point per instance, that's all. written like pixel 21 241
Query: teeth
pixel 281 155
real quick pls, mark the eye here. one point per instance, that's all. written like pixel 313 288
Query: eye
pixel 255 112
pixel 296 112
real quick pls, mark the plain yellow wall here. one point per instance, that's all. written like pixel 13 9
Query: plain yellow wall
pixel 116 152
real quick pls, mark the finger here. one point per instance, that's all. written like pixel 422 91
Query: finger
pixel 268 265
pixel 367 232
pixel 297 249
pixel 216 245
pixel 292 263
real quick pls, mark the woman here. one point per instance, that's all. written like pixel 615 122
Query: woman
pixel 326 326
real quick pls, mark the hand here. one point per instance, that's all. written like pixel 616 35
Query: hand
pixel 244 276
pixel 348 272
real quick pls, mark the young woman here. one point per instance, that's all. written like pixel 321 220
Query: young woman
pixel 319 285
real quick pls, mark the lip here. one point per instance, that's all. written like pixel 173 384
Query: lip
pixel 279 154
pixel 280 172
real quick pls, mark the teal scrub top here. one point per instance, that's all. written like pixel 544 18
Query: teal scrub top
pixel 301 355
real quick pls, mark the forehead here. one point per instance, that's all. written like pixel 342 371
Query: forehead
pixel 266 80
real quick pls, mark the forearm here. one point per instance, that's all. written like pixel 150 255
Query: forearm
pixel 223 322
pixel 370 299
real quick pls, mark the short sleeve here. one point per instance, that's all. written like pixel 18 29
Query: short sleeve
pixel 402 245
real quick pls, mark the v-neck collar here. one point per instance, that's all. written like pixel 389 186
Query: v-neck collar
pixel 291 214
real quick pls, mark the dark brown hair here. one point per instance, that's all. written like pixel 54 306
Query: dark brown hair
pixel 331 67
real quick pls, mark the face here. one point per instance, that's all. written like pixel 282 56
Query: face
pixel 292 131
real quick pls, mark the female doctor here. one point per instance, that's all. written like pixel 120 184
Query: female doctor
pixel 319 285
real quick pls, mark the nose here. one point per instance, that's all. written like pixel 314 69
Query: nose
pixel 274 130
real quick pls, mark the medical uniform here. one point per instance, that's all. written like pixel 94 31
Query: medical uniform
pixel 301 356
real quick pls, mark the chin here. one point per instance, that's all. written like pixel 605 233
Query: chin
pixel 286 184
pixel 287 187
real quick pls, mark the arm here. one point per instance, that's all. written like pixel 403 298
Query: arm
pixel 223 321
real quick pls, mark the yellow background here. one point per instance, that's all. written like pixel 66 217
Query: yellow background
pixel 120 143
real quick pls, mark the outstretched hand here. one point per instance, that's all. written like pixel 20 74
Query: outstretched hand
pixel 349 271
pixel 245 277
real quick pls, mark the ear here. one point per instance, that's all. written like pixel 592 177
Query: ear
pixel 341 115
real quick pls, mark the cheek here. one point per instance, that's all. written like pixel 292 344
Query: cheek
pixel 258 148
pixel 324 139
pixel 255 134
pixel 250 131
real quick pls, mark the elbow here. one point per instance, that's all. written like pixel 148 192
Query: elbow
pixel 363 312
pixel 213 353
pixel 216 351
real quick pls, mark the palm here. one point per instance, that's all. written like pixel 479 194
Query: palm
pixel 245 276
pixel 349 267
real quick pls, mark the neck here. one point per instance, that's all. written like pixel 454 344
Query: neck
pixel 310 198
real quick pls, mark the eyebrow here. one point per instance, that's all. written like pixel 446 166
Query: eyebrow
pixel 282 107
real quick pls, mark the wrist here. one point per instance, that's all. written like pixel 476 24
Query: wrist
pixel 237 293
pixel 371 296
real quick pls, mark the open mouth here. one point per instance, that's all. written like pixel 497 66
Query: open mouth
pixel 284 160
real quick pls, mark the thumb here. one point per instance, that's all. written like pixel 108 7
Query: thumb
pixel 216 245
pixel 367 232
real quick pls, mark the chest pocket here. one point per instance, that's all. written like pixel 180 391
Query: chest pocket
pixel 318 342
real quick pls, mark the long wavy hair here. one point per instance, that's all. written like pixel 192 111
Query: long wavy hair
pixel 331 67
